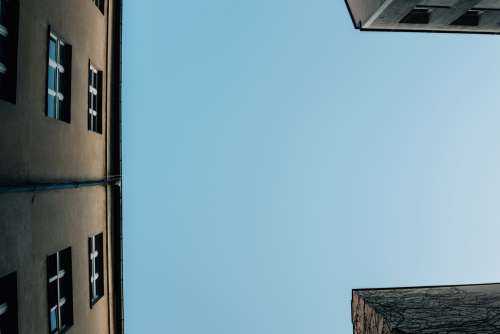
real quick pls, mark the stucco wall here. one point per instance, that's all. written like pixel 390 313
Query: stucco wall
pixel 33 146
pixel 38 149
pixel 34 226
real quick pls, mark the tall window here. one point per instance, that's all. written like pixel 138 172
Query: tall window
pixel 95 99
pixel 8 304
pixel 60 291
pixel 99 4
pixel 9 10
pixel 96 268
pixel 58 79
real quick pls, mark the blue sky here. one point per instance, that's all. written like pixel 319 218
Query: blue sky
pixel 275 158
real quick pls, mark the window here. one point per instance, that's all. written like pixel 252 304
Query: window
pixel 58 79
pixel 471 18
pixel 60 291
pixel 96 268
pixel 9 13
pixel 8 304
pixel 418 16
pixel 95 100
pixel 99 4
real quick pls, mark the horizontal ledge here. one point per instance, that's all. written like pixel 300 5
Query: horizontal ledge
pixel 49 186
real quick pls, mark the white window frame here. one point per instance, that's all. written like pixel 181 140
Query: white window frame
pixel 57 65
pixel 94 254
pixel 61 300
pixel 3 310
pixel 94 91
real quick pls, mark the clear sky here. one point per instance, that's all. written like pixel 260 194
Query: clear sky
pixel 275 158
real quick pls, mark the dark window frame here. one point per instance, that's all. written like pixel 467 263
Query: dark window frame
pixel 96 268
pixel 58 89
pixel 95 100
pixel 60 291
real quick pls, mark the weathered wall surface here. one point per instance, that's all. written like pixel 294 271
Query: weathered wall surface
pixel 446 310
pixel 365 319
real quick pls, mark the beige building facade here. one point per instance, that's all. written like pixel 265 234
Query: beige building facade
pixel 60 167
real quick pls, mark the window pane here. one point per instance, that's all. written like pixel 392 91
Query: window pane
pixel 64 314
pixel 3 13
pixel 51 106
pixel 52 265
pixel 100 262
pixel 61 78
pixel 63 53
pixel 61 109
pixel 52 78
pixel 53 321
pixel 67 314
pixel 66 284
pixel 52 294
pixel 3 50
pixel 53 49
pixel 94 102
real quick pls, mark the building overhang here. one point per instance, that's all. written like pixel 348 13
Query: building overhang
pixel 452 16
pixel 425 310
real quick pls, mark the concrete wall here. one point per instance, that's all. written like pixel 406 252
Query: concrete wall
pixel 362 10
pixel 386 15
pixel 427 310
pixel 365 319
pixel 38 149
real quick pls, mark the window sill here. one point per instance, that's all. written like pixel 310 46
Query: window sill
pixel 94 301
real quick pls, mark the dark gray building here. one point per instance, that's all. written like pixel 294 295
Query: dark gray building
pixel 462 16
pixel 427 310
pixel 60 167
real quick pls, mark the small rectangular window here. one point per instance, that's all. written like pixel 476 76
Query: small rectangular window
pixel 9 14
pixel 471 18
pixel 60 291
pixel 8 304
pixel 418 16
pixel 96 268
pixel 99 4
pixel 95 100
pixel 58 79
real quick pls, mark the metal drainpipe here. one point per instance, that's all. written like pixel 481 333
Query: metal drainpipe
pixel 107 127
